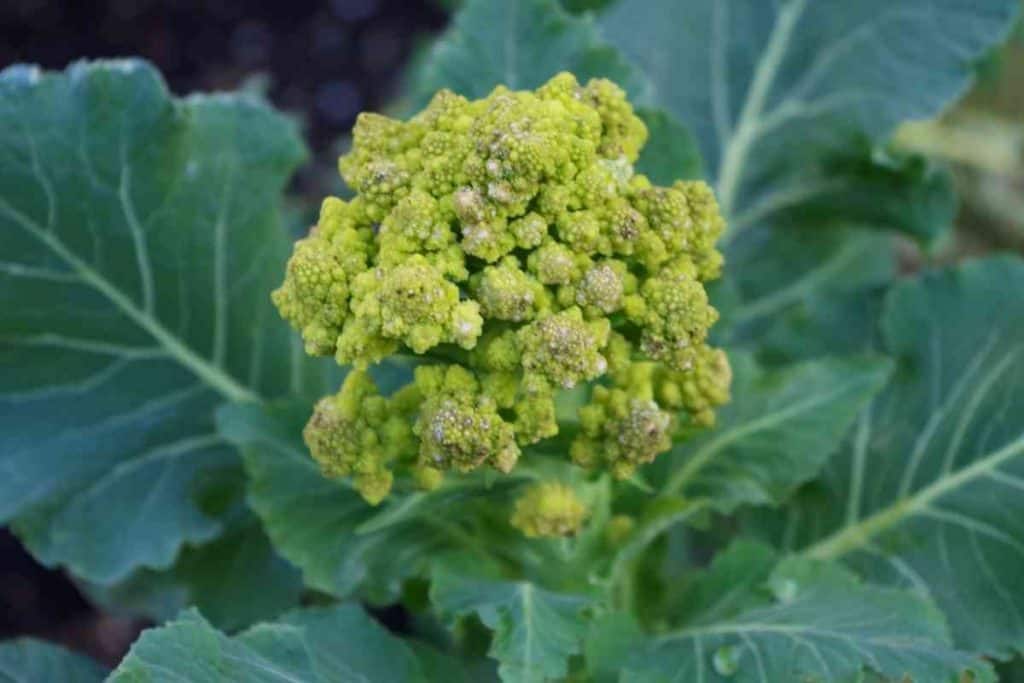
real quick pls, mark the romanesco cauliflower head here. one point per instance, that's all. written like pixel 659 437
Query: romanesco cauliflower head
pixel 510 244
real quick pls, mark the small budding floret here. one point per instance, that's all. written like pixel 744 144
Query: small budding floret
pixel 510 243
pixel 549 509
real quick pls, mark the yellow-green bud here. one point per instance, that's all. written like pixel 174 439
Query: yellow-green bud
pixel 549 509
pixel 619 528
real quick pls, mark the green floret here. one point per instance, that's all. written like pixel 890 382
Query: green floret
pixel 623 133
pixel 354 433
pixel 673 313
pixel 603 287
pixel 535 411
pixel 421 225
pixel 621 430
pixel 459 426
pixel 700 390
pixel 504 237
pixel 564 349
pixel 314 295
pixel 505 292
pixel 529 231
pixel 556 264
pixel 414 303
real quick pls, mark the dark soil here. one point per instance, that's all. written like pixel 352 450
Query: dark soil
pixel 323 61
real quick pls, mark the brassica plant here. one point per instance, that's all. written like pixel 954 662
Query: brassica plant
pixel 605 366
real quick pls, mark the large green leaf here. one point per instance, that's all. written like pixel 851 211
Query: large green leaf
pixel 801 621
pixel 792 103
pixel 519 44
pixel 771 273
pixel 927 491
pixel 141 237
pixel 235 581
pixel 535 630
pixel 31 660
pixel 323 526
pixel 781 95
pixel 312 646
pixel 777 432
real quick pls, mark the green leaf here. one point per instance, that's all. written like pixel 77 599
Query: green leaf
pixel 26 659
pixel 535 630
pixel 520 44
pixel 611 640
pixel 670 153
pixel 736 582
pixel 777 432
pixel 840 324
pixel 789 99
pixel 236 581
pixel 773 272
pixel 792 104
pixel 927 491
pixel 321 525
pixel 141 237
pixel 312 646
pixel 802 621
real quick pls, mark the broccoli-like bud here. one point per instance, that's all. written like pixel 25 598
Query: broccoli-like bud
pixel 699 391
pixel 603 287
pixel 621 430
pixel 355 433
pixel 673 313
pixel 415 304
pixel 505 292
pixel 459 426
pixel 502 239
pixel 563 348
pixel 549 509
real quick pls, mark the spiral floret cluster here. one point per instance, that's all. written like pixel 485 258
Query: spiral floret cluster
pixel 510 244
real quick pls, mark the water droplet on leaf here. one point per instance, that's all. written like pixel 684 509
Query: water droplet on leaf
pixel 726 660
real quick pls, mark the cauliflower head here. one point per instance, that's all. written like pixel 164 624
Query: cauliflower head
pixel 510 246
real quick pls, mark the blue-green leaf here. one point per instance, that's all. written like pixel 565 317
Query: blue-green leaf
pixel 141 237
pixel 519 44
pixel 30 660
pixel 927 491
pixel 778 431
pixel 792 104
pixel 312 646
pixel 535 630
pixel 671 153
pixel 782 95
pixel 341 543
pixel 801 621
pixel 235 581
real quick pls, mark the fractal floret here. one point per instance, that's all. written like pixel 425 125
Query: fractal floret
pixel 510 247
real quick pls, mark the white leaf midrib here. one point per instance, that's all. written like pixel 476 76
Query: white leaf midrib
pixel 734 154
